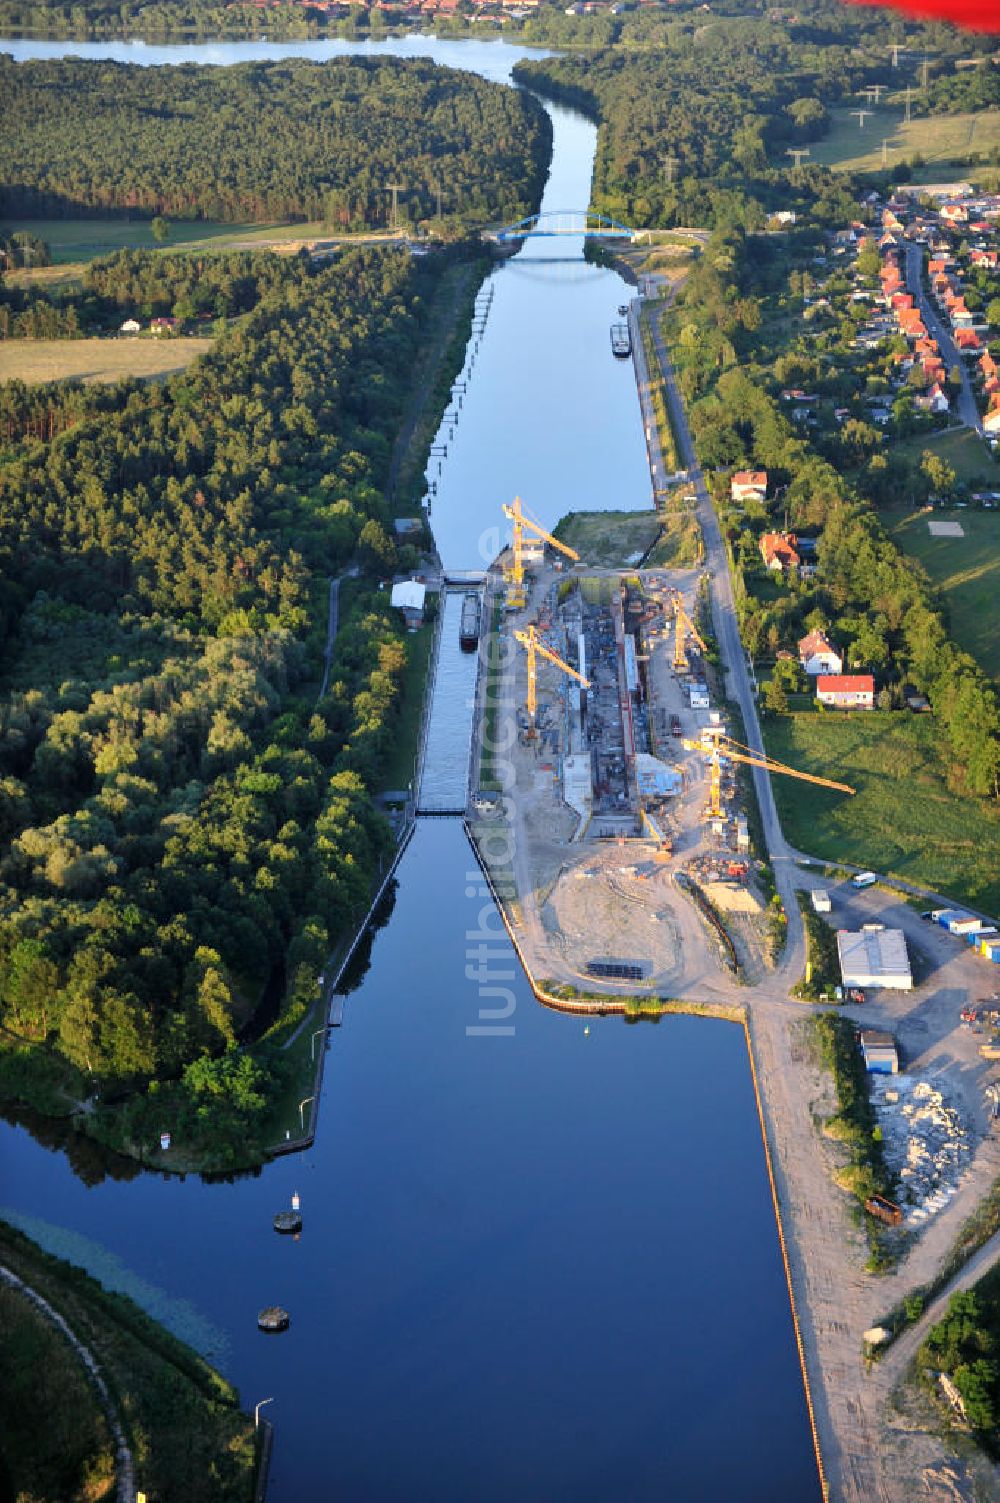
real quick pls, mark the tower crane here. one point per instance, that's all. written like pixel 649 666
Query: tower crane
pixel 515 514
pixel 721 745
pixel 536 648
pixel 682 625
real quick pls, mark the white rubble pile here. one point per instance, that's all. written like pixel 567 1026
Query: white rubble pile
pixel 924 1141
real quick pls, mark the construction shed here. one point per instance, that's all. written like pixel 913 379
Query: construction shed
pixel 879 1050
pixel 874 956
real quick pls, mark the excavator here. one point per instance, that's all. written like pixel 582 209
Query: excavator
pixel 515 580
pixel 715 741
pixel 535 648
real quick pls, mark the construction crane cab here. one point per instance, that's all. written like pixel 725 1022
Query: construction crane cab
pixel 516 595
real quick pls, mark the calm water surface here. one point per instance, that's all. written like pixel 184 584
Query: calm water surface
pixel 536 1266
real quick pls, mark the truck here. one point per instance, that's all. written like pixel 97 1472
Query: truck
pixel 864 879
pixel 884 1210
pixel 675 725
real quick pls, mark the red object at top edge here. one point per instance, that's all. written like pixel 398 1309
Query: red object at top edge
pixel 977 15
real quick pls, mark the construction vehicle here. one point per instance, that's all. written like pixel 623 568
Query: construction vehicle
pixel 683 626
pixel 515 578
pixel 718 745
pixel 535 648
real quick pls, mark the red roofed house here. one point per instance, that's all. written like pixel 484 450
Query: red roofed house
pixel 748 485
pixel 846 691
pixel 779 551
pixel 817 656
pixel 967 339
pixel 988 366
pixel 991 422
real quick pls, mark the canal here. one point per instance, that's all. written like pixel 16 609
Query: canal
pixel 539 1260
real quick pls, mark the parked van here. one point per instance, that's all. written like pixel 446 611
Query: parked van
pixel 864 879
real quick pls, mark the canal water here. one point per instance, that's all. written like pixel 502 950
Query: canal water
pixel 539 1259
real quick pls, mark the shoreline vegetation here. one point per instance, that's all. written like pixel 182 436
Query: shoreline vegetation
pixel 182 1419
pixel 187 832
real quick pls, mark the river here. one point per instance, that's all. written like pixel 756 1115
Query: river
pixel 539 1260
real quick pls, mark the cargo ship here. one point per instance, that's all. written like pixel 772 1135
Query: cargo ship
pixel 468 632
pixel 621 341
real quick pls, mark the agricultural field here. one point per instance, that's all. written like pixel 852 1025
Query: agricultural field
pixel 938 138
pixel 90 360
pixel 81 240
pixel 965 569
pixel 905 818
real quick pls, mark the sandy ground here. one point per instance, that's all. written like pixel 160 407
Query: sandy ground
pixel 89 360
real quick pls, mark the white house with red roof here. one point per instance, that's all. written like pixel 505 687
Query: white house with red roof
pixel 817 655
pixel 846 691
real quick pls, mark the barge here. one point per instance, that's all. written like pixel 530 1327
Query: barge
pixel 621 341
pixel 468 632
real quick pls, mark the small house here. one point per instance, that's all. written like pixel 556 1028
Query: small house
pixel 779 551
pixel 748 485
pixel 817 655
pixel 880 1052
pixel 164 325
pixel 131 326
pixel 846 691
pixel 408 597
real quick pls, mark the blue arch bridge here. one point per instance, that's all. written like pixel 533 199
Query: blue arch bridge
pixel 564 222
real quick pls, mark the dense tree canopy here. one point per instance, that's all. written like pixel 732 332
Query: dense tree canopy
pixel 182 826
pixel 285 140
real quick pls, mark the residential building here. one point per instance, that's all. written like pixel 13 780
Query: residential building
pixel 818 656
pixel 779 551
pixel 846 691
pixel 748 485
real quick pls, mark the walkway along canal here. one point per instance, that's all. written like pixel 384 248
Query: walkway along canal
pixel 539 1262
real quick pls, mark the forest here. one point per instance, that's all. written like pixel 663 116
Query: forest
pixel 260 142
pixel 184 829
pixel 696 117
pixel 144 285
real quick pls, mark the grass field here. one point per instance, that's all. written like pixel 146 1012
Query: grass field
pixel 938 138
pixel 609 539
pixel 77 240
pixel 967 455
pixel 88 360
pixel 904 819
pixel 966 570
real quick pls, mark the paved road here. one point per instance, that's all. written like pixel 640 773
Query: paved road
pixel 964 406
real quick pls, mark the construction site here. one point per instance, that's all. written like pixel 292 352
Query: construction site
pixel 620 781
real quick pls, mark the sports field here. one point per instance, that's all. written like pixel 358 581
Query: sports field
pixel 36 360
pixel 965 569
pixel 938 138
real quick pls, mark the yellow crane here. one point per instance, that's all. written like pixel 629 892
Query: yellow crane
pixel 536 648
pixel 720 745
pixel 683 624
pixel 515 514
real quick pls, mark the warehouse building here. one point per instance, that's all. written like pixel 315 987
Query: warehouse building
pixel 874 956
